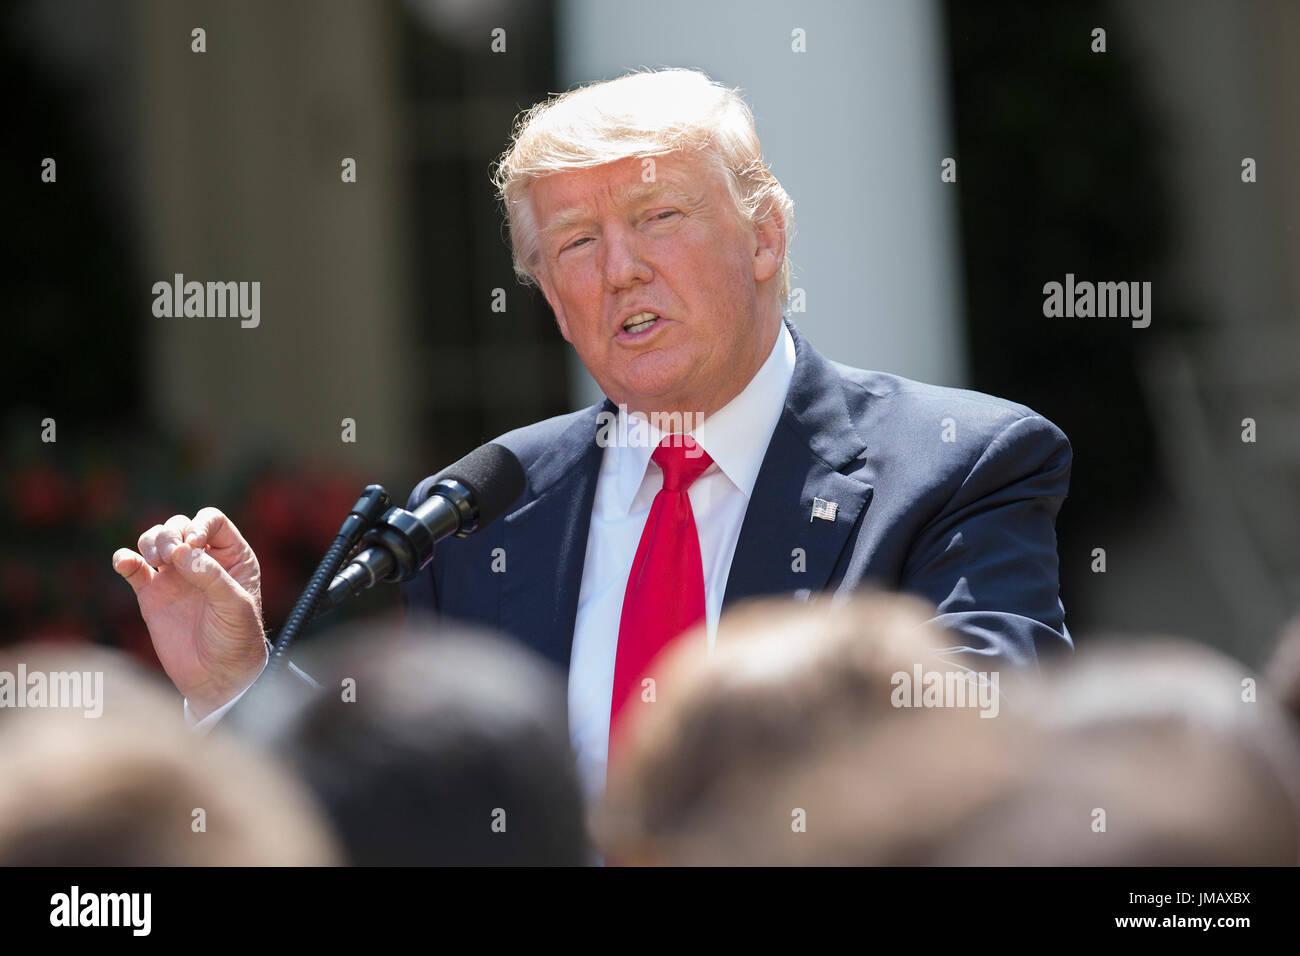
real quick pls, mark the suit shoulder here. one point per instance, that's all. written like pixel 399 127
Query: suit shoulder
pixel 540 447
pixel 881 398
pixel 532 442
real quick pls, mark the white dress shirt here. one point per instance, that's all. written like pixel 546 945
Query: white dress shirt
pixel 736 438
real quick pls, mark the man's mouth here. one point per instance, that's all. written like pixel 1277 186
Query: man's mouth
pixel 641 322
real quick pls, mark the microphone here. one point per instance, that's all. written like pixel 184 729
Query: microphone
pixel 465 497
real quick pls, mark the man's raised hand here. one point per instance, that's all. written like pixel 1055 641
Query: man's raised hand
pixel 200 592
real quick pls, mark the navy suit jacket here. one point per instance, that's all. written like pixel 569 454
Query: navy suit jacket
pixel 948 494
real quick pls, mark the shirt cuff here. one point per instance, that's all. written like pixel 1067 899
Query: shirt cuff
pixel 210 721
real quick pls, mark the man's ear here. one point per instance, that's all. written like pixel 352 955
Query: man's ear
pixel 769 244
pixel 548 290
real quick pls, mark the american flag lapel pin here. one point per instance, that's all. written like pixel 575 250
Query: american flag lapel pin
pixel 823 509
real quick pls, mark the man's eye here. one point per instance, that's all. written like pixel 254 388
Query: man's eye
pixel 576 243
pixel 665 214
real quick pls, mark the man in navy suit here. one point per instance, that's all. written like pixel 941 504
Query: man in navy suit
pixel 966 524
pixel 643 210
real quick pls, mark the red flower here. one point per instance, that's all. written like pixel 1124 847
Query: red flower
pixel 40 496
pixel 103 494
pixel 271 518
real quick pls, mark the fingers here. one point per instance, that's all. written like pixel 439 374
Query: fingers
pixel 156 544
pixel 147 548
pixel 170 536
pixel 209 527
pixel 225 570
pixel 134 568
pixel 198 568
pixel 212 528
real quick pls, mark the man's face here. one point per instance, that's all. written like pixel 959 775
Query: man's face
pixel 614 246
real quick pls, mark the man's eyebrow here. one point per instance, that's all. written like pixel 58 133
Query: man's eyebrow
pixel 629 195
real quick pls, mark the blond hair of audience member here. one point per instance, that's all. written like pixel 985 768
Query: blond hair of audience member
pixel 785 744
pixel 123 788
pixel 1152 752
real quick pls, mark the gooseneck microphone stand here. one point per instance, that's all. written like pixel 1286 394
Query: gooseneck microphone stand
pixel 365 515
pixel 465 497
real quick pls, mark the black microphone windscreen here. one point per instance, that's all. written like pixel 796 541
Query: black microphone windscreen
pixel 494 477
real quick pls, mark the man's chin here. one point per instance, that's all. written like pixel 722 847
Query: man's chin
pixel 655 392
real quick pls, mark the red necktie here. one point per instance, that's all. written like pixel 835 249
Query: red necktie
pixel 665 590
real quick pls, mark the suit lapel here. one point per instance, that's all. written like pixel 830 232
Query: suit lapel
pixel 782 547
pixel 546 543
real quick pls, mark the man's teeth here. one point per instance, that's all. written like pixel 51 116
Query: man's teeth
pixel 640 322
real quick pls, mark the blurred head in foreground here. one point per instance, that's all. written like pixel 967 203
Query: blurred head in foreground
pixel 437 746
pixel 794 743
pixel 1151 752
pixel 806 736
pixel 1284 670
pixel 113 777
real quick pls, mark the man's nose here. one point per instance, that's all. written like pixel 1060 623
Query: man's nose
pixel 624 260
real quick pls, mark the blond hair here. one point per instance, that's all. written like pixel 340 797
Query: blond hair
pixel 639 114
pixel 793 707
pixel 125 788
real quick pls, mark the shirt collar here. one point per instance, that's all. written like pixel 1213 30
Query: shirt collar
pixel 735 437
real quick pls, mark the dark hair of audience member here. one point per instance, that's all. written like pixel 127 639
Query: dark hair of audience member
pixel 439 746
